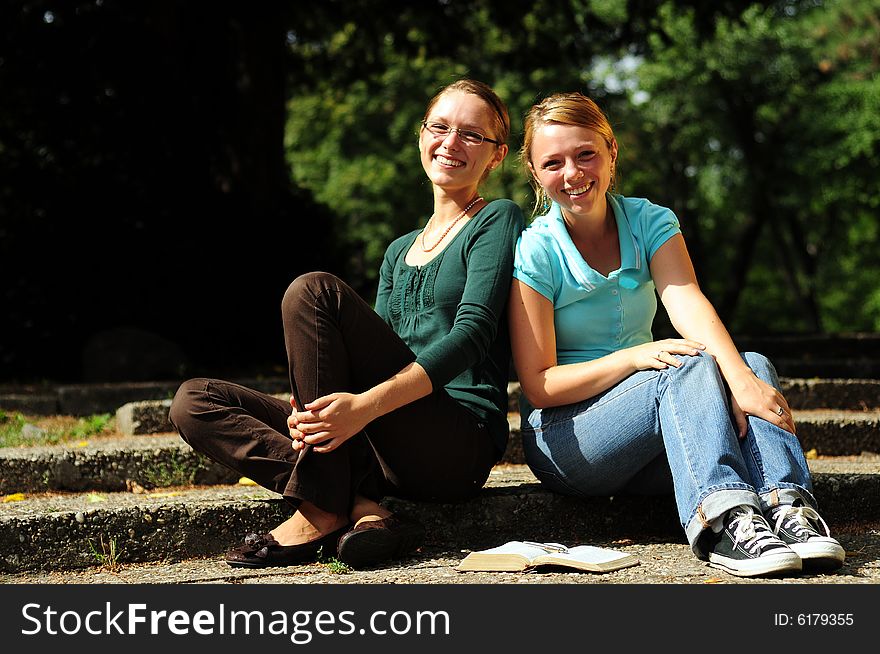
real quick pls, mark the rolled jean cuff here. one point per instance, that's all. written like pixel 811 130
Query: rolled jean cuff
pixel 786 493
pixel 713 506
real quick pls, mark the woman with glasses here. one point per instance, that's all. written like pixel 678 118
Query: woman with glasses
pixel 409 399
pixel 608 409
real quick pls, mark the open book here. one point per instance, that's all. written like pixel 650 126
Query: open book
pixel 517 556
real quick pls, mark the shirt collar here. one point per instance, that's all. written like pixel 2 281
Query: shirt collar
pixel 630 255
pixel 630 258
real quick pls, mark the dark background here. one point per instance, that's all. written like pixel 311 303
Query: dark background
pixel 168 167
pixel 148 225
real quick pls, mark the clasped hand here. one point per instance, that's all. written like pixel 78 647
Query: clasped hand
pixel 328 422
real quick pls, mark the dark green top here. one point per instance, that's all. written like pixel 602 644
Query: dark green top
pixel 451 311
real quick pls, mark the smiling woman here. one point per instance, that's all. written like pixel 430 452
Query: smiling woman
pixel 608 410
pixel 375 391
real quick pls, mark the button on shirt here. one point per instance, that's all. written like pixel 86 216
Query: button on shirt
pixel 595 315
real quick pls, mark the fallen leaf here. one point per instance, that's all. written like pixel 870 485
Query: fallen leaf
pixel 713 580
pixel 14 497
pixel 244 481
pixel 82 444
pixel 811 454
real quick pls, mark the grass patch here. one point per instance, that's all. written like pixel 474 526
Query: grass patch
pixel 108 557
pixel 16 429
pixel 175 472
pixel 334 566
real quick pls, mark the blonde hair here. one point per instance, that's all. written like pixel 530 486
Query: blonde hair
pixel 562 109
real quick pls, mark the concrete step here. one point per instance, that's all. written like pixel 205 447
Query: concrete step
pixel 58 531
pixel 89 399
pixel 813 347
pixel 836 387
pixel 844 367
pixel 159 460
pixel 662 561
pixel 801 393
pixel 108 464
pixel 828 432
pixel 151 416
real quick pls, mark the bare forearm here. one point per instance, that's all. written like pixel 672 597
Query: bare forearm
pixel 408 385
pixel 698 321
pixel 575 382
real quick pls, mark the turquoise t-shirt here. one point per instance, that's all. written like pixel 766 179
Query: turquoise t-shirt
pixel 596 315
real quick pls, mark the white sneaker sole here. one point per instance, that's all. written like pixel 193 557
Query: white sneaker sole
pixel 768 564
pixel 825 552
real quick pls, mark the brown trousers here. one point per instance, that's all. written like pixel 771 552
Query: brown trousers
pixel 432 449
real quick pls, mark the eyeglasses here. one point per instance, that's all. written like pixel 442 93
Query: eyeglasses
pixel 467 135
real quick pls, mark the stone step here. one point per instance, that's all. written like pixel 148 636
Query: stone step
pixel 151 416
pixel 812 346
pixel 89 399
pixel 55 531
pixel 662 561
pixel 828 432
pixel 832 393
pixel 843 367
pixel 108 464
pixel 160 460
pixel 800 393
pixel 841 384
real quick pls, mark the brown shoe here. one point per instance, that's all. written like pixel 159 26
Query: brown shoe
pixel 264 551
pixel 374 541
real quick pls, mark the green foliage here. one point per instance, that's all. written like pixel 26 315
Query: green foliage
pixel 755 121
pixel 363 84
pixel 334 566
pixel 765 138
pixel 90 426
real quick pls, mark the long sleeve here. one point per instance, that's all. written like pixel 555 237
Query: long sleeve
pixel 488 265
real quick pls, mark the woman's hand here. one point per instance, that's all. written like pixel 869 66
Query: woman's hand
pixel 751 396
pixel 292 423
pixel 328 422
pixel 660 354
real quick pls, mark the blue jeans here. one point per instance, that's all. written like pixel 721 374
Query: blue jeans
pixel 662 430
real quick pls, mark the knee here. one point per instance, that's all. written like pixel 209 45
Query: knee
pixel 698 362
pixel 187 403
pixel 760 365
pixel 305 286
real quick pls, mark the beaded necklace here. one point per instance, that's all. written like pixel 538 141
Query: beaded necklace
pixel 451 225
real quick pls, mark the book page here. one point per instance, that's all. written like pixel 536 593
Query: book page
pixel 514 556
pixel 526 550
pixel 590 558
pixel 519 555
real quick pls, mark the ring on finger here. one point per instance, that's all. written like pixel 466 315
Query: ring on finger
pixel 780 411
pixel 659 354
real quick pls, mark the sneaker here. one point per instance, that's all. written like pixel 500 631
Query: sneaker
pixel 747 547
pixel 798 526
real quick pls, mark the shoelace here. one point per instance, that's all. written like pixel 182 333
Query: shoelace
pixel 753 531
pixel 797 519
